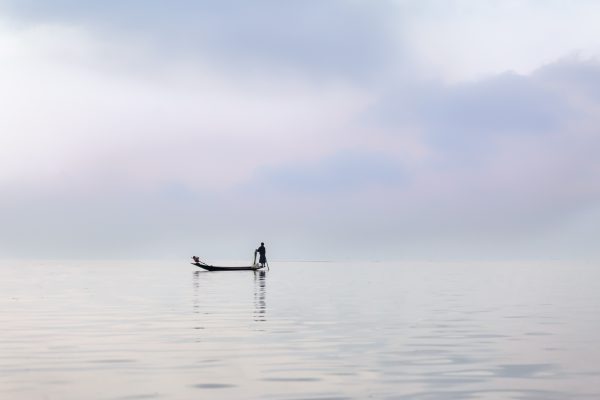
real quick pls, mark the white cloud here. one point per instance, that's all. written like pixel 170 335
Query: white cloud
pixel 466 39
pixel 70 108
pixel 118 141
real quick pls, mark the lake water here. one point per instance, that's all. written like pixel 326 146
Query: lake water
pixel 422 331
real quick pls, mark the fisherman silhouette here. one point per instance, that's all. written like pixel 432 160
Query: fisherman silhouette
pixel 263 254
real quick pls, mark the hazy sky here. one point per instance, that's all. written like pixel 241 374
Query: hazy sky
pixel 328 129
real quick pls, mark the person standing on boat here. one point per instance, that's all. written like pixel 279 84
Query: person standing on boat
pixel 263 254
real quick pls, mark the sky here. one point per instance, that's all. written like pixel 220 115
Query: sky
pixel 330 130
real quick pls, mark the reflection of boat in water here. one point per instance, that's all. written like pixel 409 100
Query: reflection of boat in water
pixel 216 268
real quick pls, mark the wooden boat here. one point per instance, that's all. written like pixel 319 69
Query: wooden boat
pixel 216 268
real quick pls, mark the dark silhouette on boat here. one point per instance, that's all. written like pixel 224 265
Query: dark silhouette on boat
pixel 263 254
pixel 199 263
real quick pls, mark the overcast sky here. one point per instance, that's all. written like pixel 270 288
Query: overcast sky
pixel 450 129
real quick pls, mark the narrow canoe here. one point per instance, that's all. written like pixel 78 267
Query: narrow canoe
pixel 215 268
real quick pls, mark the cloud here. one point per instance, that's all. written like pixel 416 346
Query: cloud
pixel 470 40
pixel 511 159
pixel 343 173
pixel 333 38
pixel 133 131
pixel 580 76
pixel 73 113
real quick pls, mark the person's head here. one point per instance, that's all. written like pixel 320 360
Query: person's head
pixel 262 244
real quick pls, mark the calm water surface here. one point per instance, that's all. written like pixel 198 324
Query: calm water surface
pixel 423 331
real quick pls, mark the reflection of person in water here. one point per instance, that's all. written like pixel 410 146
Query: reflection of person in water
pixel 263 254
pixel 260 303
